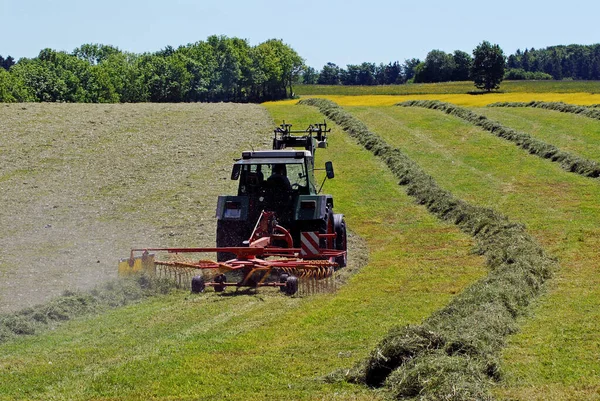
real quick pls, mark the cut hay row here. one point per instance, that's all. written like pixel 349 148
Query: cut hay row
pixel 586 111
pixel 73 304
pixel 453 354
pixel 534 146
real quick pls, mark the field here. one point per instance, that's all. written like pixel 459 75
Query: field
pixel 76 183
pixel 445 88
pixel 96 180
pixel 278 346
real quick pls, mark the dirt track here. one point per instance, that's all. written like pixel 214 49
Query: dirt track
pixel 81 184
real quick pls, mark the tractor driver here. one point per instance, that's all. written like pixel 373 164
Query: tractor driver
pixel 278 179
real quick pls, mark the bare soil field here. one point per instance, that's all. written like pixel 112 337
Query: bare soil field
pixel 82 184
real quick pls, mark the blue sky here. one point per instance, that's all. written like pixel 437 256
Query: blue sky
pixel 342 32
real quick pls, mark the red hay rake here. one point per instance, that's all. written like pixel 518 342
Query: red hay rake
pixel 268 260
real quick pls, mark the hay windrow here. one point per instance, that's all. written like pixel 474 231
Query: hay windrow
pixel 590 111
pixel 457 347
pixel 569 162
pixel 72 304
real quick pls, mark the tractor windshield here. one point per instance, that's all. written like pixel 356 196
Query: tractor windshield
pixel 294 172
pixel 254 176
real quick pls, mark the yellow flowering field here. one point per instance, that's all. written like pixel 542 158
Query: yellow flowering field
pixel 460 99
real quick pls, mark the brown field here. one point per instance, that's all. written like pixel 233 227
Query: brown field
pixel 72 183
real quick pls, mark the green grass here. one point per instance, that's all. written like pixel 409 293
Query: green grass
pixel 449 88
pixel 572 133
pixel 264 346
pixel 570 162
pixel 555 354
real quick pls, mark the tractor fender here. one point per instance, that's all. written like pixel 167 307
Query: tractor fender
pixel 232 208
pixel 313 207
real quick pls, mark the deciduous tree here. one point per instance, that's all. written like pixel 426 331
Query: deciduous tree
pixel 488 66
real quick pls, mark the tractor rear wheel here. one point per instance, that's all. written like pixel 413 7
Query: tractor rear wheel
pixel 327 226
pixel 341 239
pixel 229 234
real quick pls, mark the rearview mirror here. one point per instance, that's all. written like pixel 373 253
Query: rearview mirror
pixel 329 170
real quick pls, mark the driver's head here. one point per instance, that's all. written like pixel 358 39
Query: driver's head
pixel 279 169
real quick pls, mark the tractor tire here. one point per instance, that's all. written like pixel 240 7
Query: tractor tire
pixel 341 239
pixel 229 233
pixel 291 285
pixel 198 284
pixel 327 227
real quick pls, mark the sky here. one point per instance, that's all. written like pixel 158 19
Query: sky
pixel 342 32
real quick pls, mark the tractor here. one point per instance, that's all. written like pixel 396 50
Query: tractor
pixel 282 181
pixel 278 231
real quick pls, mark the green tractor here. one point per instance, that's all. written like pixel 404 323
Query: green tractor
pixel 282 181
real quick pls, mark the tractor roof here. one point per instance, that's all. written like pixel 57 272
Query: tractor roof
pixel 274 156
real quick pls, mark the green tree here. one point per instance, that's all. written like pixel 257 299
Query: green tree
pixel 329 75
pixel 125 77
pixel 95 53
pixel 12 89
pixel 310 76
pixel 462 66
pixel 409 67
pixel 488 66
pixel 291 63
pixel 43 82
pixel 391 74
pixel 437 67
pixel 201 63
pixel 268 83
pixel 165 78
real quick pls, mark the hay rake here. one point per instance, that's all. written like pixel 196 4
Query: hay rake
pixel 269 260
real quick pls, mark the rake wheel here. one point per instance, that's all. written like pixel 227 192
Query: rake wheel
pixel 291 285
pixel 198 284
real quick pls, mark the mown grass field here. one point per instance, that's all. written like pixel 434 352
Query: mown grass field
pixel 570 132
pixel 81 184
pixel 263 346
pixel 555 356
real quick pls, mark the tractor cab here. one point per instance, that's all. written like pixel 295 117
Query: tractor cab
pixel 275 180
pixel 264 171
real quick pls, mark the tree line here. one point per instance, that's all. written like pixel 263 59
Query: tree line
pixel 218 69
pixel 578 62
pixel 229 69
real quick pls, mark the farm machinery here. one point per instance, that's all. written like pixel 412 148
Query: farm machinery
pixel 278 231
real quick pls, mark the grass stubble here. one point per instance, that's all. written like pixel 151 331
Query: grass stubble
pixel 82 184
